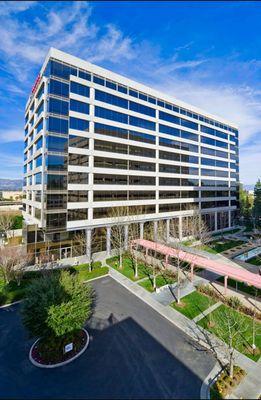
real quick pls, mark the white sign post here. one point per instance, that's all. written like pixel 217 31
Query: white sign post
pixel 68 347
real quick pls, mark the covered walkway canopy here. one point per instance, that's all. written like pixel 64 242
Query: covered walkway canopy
pixel 219 268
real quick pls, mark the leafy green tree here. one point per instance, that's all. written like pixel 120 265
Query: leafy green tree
pixel 57 305
pixel 17 222
pixel 257 204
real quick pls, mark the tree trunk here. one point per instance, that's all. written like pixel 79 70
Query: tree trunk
pixel 154 282
pixel 136 268
pixel 120 266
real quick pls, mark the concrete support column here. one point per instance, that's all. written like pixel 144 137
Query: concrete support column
pixel 141 229
pixel 108 241
pixel 126 236
pixel 155 233
pixel 216 224
pixel 229 219
pixel 191 272
pixel 88 238
pixel 167 229
pixel 180 228
pixel 225 285
pixel 166 260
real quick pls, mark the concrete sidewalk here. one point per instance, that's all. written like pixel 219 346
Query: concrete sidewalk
pixel 199 336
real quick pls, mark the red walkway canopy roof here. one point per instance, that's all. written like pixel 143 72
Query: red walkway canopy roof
pixel 223 269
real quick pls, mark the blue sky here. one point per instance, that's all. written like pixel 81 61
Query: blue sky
pixel 204 53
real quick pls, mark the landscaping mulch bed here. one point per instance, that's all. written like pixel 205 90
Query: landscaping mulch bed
pixel 42 354
pixel 224 385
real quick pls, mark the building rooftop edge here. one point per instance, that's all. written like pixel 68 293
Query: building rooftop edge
pixel 80 63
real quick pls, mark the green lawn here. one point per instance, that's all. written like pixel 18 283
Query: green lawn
pixel 218 246
pixel 128 269
pixel 243 346
pixel 241 286
pixel 160 281
pixel 14 292
pixel 193 304
pixel 255 261
pixel 85 275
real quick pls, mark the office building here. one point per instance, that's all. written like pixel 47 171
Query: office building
pixel 96 141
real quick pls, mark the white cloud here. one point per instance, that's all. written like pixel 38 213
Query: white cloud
pixel 13 7
pixel 11 135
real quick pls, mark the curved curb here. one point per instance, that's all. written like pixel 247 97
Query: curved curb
pixel 37 364
pixel 209 380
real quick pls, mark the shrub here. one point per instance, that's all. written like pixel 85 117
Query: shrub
pixel 234 302
pixel 56 305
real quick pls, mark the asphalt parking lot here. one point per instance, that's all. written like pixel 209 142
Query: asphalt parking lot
pixel 133 353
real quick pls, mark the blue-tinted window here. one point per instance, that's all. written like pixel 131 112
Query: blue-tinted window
pixel 169 117
pixel 221 144
pixel 110 130
pixel 208 161
pixel 168 106
pixel 142 137
pixel 169 143
pixel 143 97
pixel 38 161
pixel 80 89
pixel 79 124
pixel 213 132
pixel 38 178
pixel 222 164
pixel 152 100
pixel 111 85
pixel 58 88
pixel 39 143
pixel 188 159
pixel 110 114
pixel 57 125
pixel 122 89
pixel 40 108
pixel 98 80
pixel 188 124
pixel 169 130
pixel 142 123
pixel 207 140
pixel 56 163
pixel 160 103
pixel 60 70
pixel 140 108
pixel 79 106
pixel 40 92
pixel 57 182
pixel 189 135
pixel 58 144
pixel 111 99
pixel 85 75
pixel 208 172
pixel 57 106
pixel 39 126
pixel 133 93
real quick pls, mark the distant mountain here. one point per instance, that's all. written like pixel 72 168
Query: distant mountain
pixel 11 184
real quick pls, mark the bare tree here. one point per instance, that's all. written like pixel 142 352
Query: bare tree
pixel 230 327
pixel 6 222
pixel 13 260
pixel 119 217
pixel 133 247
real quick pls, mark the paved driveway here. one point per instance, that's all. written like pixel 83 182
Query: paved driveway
pixel 133 353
